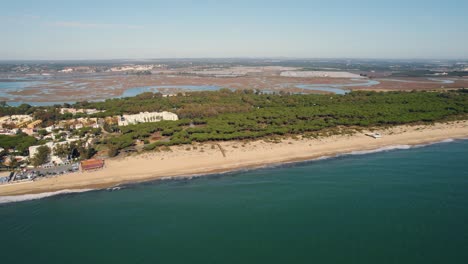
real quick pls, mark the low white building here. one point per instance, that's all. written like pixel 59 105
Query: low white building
pixel 15 119
pixel 4 119
pixel 50 128
pixel 74 111
pixel 21 118
pixel 67 70
pixel 146 117
pixel 51 145
pixel 8 132
pixel 33 149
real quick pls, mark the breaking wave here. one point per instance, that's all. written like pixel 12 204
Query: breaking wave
pixel 28 197
pixel 395 147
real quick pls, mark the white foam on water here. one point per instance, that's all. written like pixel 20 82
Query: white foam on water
pixel 28 197
pixel 448 140
pixel 396 147
pixel 388 148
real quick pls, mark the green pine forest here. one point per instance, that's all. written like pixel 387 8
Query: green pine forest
pixel 248 114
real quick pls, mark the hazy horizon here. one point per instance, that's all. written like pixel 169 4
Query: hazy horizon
pixel 240 58
pixel 119 30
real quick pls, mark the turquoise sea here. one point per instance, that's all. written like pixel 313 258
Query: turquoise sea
pixel 398 206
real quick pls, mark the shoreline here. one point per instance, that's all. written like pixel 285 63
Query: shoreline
pixel 37 196
pixel 204 160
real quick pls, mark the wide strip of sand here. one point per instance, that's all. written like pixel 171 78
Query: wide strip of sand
pixel 208 158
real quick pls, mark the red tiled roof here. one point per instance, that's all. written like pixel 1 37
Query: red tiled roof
pixel 92 164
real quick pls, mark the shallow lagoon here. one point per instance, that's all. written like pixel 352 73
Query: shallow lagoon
pixel 6 86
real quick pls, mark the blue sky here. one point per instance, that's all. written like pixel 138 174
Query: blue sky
pixel 179 29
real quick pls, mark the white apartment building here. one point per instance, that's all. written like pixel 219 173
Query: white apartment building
pixel 51 145
pixel 146 117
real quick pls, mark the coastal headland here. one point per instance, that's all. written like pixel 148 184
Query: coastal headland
pixel 218 157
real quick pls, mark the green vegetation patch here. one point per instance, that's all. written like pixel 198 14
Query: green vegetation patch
pixel 20 143
pixel 269 115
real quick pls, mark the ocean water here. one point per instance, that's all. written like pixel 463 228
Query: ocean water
pixel 399 206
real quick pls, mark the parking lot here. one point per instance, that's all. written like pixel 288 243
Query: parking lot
pixel 61 169
pixel 50 171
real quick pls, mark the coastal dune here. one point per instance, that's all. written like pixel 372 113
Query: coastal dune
pixel 208 158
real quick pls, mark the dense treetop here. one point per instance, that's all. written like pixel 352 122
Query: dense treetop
pixel 227 115
pixel 248 114
pixel 20 142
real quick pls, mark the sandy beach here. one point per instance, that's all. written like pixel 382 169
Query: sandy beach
pixel 208 158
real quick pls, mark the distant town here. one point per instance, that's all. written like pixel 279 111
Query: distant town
pixel 224 67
